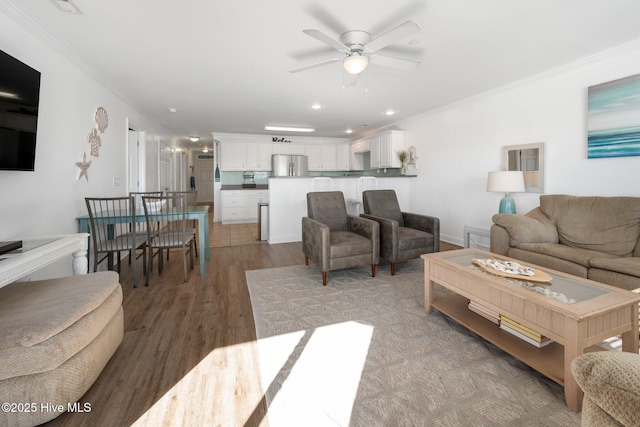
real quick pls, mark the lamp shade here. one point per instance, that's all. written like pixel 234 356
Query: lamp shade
pixel 506 182
pixel 355 63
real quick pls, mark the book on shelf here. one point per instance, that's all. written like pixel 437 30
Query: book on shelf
pixel 545 341
pixel 521 328
pixel 485 312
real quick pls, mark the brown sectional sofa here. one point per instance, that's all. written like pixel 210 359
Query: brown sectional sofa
pixel 592 237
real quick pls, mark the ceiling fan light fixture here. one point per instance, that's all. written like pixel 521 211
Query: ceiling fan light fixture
pixel 194 138
pixel 355 63
pixel 205 149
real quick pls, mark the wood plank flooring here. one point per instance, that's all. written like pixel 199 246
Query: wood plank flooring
pixel 188 356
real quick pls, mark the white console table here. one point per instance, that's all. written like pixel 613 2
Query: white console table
pixel 38 252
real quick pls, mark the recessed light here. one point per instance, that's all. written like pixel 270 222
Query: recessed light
pixel 389 112
pixel 289 129
pixel 194 138
pixel 316 106
pixel 349 131
pixel 173 110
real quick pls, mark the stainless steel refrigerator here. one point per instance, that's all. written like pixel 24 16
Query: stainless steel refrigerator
pixel 289 165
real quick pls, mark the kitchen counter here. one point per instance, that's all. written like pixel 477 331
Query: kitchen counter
pixel 288 200
pixel 240 187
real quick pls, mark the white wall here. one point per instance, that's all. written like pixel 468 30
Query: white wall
pixel 459 144
pixel 48 200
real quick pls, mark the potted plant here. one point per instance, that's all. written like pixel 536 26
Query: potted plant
pixel 402 156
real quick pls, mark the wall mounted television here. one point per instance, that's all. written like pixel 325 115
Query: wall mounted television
pixel 19 97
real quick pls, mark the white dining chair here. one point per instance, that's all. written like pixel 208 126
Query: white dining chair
pixel 364 183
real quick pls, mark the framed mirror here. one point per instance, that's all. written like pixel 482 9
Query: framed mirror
pixel 528 158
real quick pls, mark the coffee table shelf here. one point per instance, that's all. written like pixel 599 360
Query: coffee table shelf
pixel 548 360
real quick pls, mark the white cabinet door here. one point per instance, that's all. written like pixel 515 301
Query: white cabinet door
pixel 253 198
pixel 314 157
pixel 343 153
pixel 375 152
pixel 329 160
pixel 259 157
pixel 390 143
pixel 233 156
pixel 386 155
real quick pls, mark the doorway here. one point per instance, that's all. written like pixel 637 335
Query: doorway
pixel 204 178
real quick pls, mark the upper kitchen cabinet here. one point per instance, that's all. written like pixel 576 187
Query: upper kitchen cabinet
pixel 241 156
pixel 343 154
pixel 322 157
pixel 292 149
pixel 384 147
pixel 233 156
pixel 259 157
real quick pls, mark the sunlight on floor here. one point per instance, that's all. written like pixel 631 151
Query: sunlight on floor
pixel 320 385
pixel 185 398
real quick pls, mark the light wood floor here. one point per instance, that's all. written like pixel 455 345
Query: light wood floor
pixel 188 356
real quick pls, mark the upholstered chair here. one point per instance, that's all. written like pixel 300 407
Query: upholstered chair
pixel 403 235
pixel 610 381
pixel 334 240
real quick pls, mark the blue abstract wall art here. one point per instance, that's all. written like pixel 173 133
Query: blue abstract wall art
pixel 613 121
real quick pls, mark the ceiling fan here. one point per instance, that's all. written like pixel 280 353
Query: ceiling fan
pixel 358 47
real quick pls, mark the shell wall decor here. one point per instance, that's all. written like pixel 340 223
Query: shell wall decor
pixel 93 139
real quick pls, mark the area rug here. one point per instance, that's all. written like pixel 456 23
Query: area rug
pixel 362 352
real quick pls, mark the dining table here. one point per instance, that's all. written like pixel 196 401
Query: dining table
pixel 200 213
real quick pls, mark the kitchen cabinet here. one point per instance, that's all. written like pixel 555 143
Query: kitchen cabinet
pixel 240 156
pixel 384 148
pixel 241 206
pixel 343 155
pixel 233 156
pixel 259 157
pixel 322 157
pixel 294 149
pixel 357 150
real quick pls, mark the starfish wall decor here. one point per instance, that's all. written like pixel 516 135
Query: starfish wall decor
pixel 84 165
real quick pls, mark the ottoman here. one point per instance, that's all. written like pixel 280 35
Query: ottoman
pixel 56 336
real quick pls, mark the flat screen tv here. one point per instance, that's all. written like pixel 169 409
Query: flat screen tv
pixel 19 96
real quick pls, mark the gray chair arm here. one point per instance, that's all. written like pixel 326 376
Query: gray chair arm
pixel 389 243
pixel 369 229
pixel 426 223
pixel 315 242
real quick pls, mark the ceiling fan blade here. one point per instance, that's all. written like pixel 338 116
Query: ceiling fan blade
pixel 387 61
pixel 315 65
pixel 401 31
pixel 319 35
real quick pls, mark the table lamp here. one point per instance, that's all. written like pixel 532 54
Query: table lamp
pixel 506 182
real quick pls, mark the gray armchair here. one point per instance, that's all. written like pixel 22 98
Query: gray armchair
pixel 403 235
pixel 334 240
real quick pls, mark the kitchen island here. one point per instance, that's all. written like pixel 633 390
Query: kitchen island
pixel 288 200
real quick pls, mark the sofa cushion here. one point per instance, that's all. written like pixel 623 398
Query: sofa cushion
pixel 604 224
pixel 534 227
pixel 44 323
pixel 346 244
pixel 568 253
pixel 630 266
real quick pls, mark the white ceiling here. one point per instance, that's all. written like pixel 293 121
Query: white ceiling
pixel 224 64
